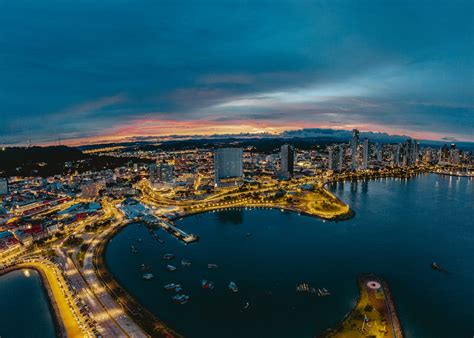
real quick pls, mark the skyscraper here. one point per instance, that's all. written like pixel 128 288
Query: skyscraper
pixel 4 186
pixel 228 163
pixel 165 173
pixel 152 172
pixel 342 155
pixel 379 150
pixel 333 158
pixel 365 153
pixel 354 145
pixel 287 161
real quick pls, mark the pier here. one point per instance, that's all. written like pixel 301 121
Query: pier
pixel 169 227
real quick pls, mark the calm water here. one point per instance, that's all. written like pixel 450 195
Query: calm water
pixel 399 229
pixel 24 308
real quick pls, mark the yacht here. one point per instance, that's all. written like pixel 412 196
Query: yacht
pixel 168 256
pixel 212 266
pixel 148 276
pixel 233 287
pixel 170 268
pixel 206 284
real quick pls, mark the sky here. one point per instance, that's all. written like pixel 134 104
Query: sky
pixel 103 70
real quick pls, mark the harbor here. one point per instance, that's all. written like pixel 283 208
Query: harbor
pixel 267 269
pixel 137 211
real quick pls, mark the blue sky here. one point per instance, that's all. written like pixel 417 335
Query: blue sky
pixel 95 70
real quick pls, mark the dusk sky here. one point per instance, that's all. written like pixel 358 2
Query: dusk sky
pixel 88 71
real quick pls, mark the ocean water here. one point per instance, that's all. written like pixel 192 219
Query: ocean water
pixel 400 228
pixel 24 307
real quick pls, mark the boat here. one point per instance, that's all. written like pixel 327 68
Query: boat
pixel 206 284
pixel 171 286
pixel 145 267
pixel 248 234
pixel 305 287
pixel 233 287
pixel 323 292
pixel 212 266
pixel 185 262
pixel 181 298
pixel 148 276
pixel 246 306
pixel 170 268
pixel 168 256
pixel 134 250
pixel 436 266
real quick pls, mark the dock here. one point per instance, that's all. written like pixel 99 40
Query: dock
pixel 169 227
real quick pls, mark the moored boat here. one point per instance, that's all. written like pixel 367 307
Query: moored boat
pixel 168 256
pixel 147 276
pixel 206 284
pixel 185 262
pixel 170 268
pixel 233 287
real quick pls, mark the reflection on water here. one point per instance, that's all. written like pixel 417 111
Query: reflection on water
pixel 401 227
pixel 233 216
pixel 23 301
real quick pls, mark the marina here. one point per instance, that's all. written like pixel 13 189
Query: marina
pixel 267 270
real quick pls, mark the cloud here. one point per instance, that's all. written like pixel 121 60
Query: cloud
pixel 319 63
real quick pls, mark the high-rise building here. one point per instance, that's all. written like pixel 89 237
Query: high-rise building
pixel 342 155
pixel 333 158
pixel 354 145
pixel 152 172
pixel 379 150
pixel 396 155
pixel 287 159
pixel 4 186
pixel 228 164
pixel 365 153
pixel 165 173
pixel 410 152
pixel 454 154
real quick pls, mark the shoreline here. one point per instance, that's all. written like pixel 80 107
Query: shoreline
pixel 342 217
pixel 143 317
pixel 345 327
pixel 59 327
pixel 349 214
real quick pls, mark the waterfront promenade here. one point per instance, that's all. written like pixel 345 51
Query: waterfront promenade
pixel 68 318
pixel 374 314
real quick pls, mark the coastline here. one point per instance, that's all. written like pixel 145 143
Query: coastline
pixel 342 217
pixel 346 327
pixel 143 317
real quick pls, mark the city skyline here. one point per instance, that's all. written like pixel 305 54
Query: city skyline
pixel 152 69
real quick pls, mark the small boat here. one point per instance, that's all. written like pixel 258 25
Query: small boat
pixel 181 298
pixel 233 287
pixel 246 306
pixel 248 234
pixel 170 268
pixel 436 266
pixel 323 292
pixel 168 256
pixel 134 250
pixel 171 286
pixel 144 267
pixel 185 262
pixel 212 266
pixel 148 276
pixel 206 284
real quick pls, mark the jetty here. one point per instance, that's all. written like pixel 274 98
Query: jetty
pixel 374 315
